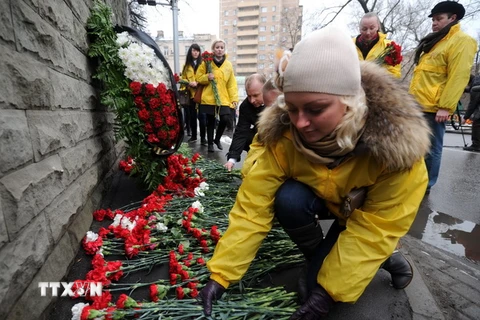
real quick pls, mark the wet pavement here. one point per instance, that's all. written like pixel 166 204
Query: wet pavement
pixel 449 218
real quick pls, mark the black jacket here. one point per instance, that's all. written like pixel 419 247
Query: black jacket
pixel 474 98
pixel 245 130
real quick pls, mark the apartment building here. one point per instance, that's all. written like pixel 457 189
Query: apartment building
pixel 184 42
pixel 254 30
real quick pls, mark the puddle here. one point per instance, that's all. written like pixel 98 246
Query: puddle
pixel 448 233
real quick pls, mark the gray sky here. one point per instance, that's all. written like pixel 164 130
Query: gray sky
pixel 197 16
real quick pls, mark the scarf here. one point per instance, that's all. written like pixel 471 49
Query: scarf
pixel 218 63
pixel 431 39
pixel 324 151
pixel 366 45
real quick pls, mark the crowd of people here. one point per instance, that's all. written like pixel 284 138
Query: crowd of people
pixel 334 136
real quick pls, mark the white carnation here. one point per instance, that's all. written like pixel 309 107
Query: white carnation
pixel 91 236
pixel 161 227
pixel 198 205
pixel 77 310
pixel 116 220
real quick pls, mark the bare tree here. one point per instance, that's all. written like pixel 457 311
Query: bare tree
pixel 137 15
pixel 291 24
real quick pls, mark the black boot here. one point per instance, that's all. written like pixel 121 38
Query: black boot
pixel 307 238
pixel 302 286
pixel 400 269
pixel 210 148
pixel 218 143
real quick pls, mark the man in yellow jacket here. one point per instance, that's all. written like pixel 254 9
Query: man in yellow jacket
pixel 444 59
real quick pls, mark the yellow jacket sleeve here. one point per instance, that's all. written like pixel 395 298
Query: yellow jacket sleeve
pixel 249 221
pixel 372 233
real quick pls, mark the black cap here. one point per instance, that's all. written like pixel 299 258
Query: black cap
pixel 448 7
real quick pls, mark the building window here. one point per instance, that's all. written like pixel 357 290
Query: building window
pixel 262 38
pixel 264 9
pixel 261 57
pixel 273 38
pixel 261 47
pixel 225 23
pixel 165 51
pixel 274 18
pixel 261 66
pixel 225 32
pixel 234 49
pixel 234 22
pixel 263 28
pixel 263 19
pixel 234 58
pixel 272 28
pixel 274 8
pixel 225 13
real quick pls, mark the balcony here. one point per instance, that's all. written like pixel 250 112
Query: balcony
pixel 249 42
pixel 246 4
pixel 246 51
pixel 248 32
pixel 247 23
pixel 248 13
pixel 241 61
pixel 246 70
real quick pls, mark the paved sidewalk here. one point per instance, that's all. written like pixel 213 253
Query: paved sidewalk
pixel 454 282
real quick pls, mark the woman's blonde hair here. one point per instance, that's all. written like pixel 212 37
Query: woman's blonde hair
pixel 354 119
pixel 217 41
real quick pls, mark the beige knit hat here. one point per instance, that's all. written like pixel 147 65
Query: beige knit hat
pixel 325 61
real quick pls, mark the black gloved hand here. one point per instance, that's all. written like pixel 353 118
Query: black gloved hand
pixel 212 291
pixel 316 307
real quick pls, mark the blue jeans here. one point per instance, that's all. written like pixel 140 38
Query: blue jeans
pixel 295 208
pixel 434 157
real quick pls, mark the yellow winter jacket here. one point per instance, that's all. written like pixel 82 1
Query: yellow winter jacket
pixel 188 73
pixel 226 83
pixel 442 74
pixel 393 169
pixel 376 51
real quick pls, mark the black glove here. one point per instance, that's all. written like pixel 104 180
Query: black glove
pixel 316 307
pixel 212 291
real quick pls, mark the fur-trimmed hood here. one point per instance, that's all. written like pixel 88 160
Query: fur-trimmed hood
pixel 396 133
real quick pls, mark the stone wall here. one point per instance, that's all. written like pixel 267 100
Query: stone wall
pixel 57 148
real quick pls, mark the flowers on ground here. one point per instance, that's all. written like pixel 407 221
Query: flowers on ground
pixel 391 55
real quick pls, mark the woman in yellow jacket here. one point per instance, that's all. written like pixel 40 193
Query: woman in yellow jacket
pixel 321 142
pixel 192 62
pixel 222 74
pixel 371 42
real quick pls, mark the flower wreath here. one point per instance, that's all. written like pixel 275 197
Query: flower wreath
pixel 138 85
